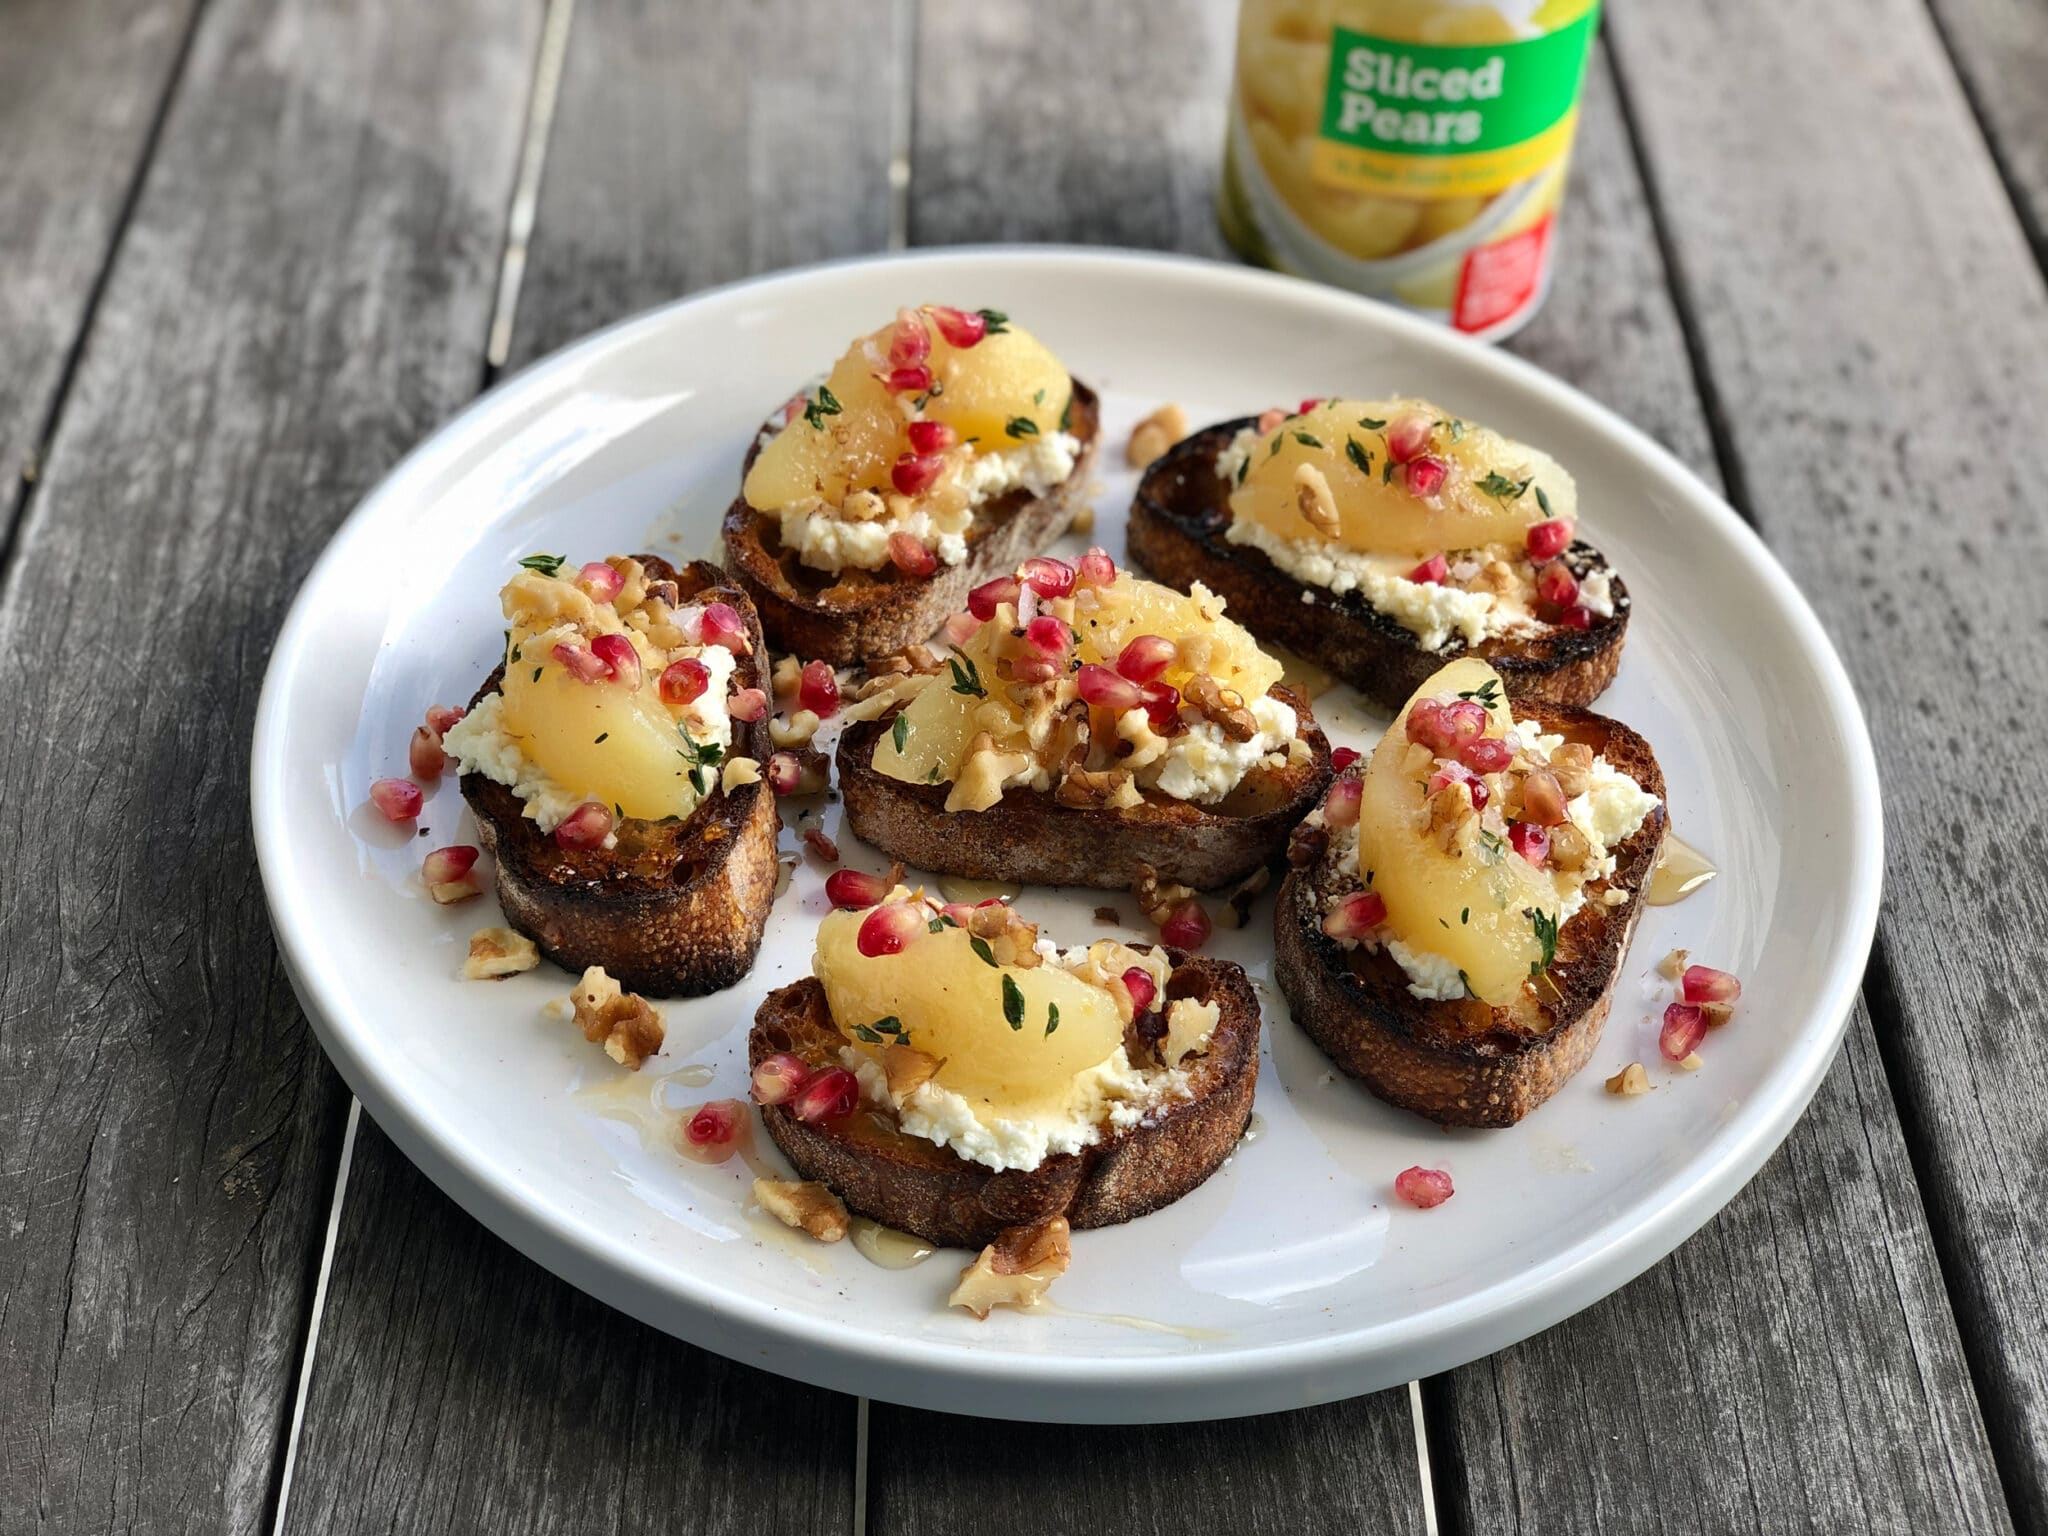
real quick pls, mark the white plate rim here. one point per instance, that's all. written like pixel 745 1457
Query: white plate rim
pixel 1269 1376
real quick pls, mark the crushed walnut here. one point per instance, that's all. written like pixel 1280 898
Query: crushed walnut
pixel 498 952
pixel 738 771
pixel 809 1207
pixel 1672 966
pixel 1629 1081
pixel 1009 938
pixel 1110 915
pixel 1315 501
pixel 796 731
pixel 819 843
pixel 1155 434
pixel 1220 706
pixel 1016 1270
pixel 1089 789
pixel 624 1023
pixel 907 1069
pixel 787 676
pixel 1157 899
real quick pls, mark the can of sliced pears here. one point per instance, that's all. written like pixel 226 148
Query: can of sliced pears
pixel 1412 150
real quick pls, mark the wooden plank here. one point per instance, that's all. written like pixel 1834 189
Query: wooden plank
pixel 2001 50
pixel 1117 140
pixel 1711 1394
pixel 691 144
pixel 81 84
pixel 1871 389
pixel 460 1387
pixel 300 293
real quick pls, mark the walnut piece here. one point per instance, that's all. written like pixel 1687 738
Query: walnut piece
pixel 983 772
pixel 907 1069
pixel 796 731
pixel 863 507
pixel 1221 707
pixel 1089 789
pixel 1314 499
pixel 817 840
pixel 1673 965
pixel 498 952
pixel 738 771
pixel 1016 1270
pixel 1155 434
pixel 810 1208
pixel 1572 766
pixel 1629 1081
pixel 624 1023
pixel 787 676
pixel 1157 900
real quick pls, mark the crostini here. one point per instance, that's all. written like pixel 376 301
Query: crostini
pixel 1382 538
pixel 942 449
pixel 613 763
pixel 1089 723
pixel 947 1074
pixel 1461 903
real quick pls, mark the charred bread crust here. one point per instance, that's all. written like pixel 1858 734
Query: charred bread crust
pixel 915 1186
pixel 677 908
pixel 1467 1063
pixel 848 616
pixel 1176 532
pixel 1029 838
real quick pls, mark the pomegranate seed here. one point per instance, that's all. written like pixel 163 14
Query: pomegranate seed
pixel 423 753
pixel 887 929
pixel 1530 841
pixel 1704 984
pixel 1556 585
pixel 441 719
pixel 619 657
pixel 1162 706
pixel 983 600
pixel 1356 915
pixel 1143 989
pixel 1578 616
pixel 1048 636
pixel 931 437
pixel 1488 754
pixel 851 889
pixel 1453 772
pixel 960 327
pixel 585 827
pixel 1423 1188
pixel 1095 569
pixel 747 704
pixel 1408 436
pixel 1308 405
pixel 1048 577
pixel 1269 421
pixel 819 842
pixel 713 1133
pixel 1550 539
pixel 909 342
pixel 1446 728
pixel 1426 475
pixel 1340 809
pixel 683 682
pixel 1542 799
pixel 914 380
pixel 581 663
pixel 724 626
pixel 914 474
pixel 1186 927
pixel 1108 689
pixel 448 863
pixel 1685 1026
pixel 600 581
pixel 817 689
pixel 1434 571
pixel 1343 757
pixel 784 773
pixel 1426 725
pixel 779 1076
pixel 959 628
pixel 828 1095
pixel 1146 658
pixel 398 799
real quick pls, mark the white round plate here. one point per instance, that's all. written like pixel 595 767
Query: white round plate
pixel 1291 1277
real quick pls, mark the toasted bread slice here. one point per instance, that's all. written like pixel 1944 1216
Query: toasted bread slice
pixel 1466 1063
pixel 1030 838
pixel 916 1186
pixel 1176 532
pixel 677 908
pixel 848 616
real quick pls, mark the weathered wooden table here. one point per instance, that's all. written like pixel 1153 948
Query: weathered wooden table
pixel 250 250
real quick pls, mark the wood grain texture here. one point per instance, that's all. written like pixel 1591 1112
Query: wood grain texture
pixel 461 1387
pixel 1867 389
pixel 81 85
pixel 1709 1395
pixel 2001 50
pixel 1099 124
pixel 699 142
pixel 300 293
pixel 691 144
